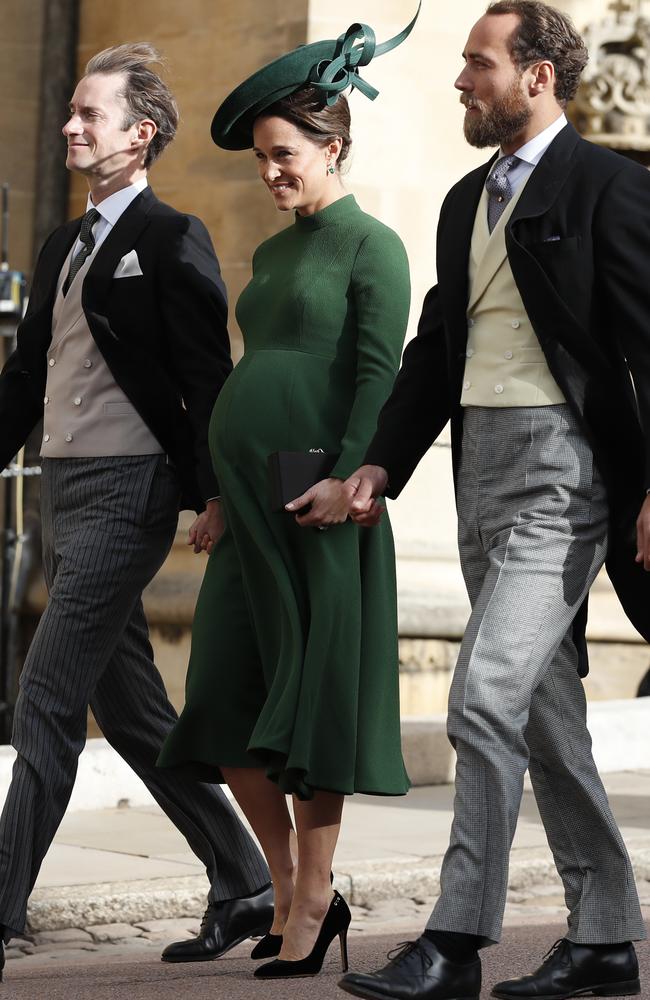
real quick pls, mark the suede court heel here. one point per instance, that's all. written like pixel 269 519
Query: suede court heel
pixel 269 946
pixel 336 923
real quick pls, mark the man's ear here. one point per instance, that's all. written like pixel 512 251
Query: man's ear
pixel 542 78
pixel 145 131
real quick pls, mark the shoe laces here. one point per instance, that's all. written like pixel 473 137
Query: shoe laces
pixel 207 916
pixel 405 949
pixel 553 949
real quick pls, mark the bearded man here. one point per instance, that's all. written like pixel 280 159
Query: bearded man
pixel 536 343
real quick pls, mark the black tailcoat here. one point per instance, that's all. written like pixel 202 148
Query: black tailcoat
pixel 587 294
pixel 163 334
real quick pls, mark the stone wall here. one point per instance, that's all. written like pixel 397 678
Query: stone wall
pixel 20 78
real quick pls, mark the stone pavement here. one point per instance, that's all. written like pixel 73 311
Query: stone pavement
pixel 122 881
pixel 141 975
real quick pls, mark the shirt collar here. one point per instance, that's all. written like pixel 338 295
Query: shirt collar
pixel 535 148
pixel 111 208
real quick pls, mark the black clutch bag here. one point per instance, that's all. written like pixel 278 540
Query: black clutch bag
pixel 291 473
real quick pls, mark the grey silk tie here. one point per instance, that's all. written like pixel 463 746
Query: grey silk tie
pixel 499 190
pixel 88 241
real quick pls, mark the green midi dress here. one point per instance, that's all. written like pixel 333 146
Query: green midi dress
pixel 294 662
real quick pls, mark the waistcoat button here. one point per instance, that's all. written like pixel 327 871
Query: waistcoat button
pixel 68 437
pixel 88 363
pixel 498 389
pixel 46 438
pixel 508 355
pixel 470 352
pixel 51 362
pixel 46 400
pixel 515 324
pixel 77 401
pixel 467 385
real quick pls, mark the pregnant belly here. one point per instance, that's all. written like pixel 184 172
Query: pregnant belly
pixel 280 401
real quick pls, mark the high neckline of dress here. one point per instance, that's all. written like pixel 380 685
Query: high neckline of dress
pixel 338 210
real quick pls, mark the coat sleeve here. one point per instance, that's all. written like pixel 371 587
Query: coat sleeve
pixel 621 228
pixel 194 312
pixel 418 407
pixel 381 290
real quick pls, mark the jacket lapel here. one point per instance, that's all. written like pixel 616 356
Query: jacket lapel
pixel 54 256
pixel 119 241
pixel 454 242
pixel 546 181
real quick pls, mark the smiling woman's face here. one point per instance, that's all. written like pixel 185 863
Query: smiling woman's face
pixel 294 167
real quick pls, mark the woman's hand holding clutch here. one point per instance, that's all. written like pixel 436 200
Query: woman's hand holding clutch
pixel 329 503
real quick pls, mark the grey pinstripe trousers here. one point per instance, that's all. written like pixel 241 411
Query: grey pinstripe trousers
pixel 108 524
pixel 532 534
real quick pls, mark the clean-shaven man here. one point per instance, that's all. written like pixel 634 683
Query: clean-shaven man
pixel 122 353
pixel 540 316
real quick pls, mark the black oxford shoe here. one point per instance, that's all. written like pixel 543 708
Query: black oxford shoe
pixel 223 926
pixel 578 970
pixel 417 972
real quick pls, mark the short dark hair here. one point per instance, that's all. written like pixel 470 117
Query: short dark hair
pixel 545 33
pixel 322 124
pixel 146 95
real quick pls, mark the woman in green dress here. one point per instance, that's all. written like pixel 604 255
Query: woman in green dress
pixel 292 686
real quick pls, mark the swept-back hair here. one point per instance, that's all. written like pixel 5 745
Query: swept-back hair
pixel 545 33
pixel 146 95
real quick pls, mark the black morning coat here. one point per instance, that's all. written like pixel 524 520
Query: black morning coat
pixel 163 334
pixel 587 295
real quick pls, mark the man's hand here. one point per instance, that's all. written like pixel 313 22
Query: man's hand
pixel 329 501
pixel 643 535
pixel 369 482
pixel 208 528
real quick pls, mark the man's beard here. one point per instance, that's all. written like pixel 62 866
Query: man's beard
pixel 499 124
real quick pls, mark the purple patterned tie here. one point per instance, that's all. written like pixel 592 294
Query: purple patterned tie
pixel 498 188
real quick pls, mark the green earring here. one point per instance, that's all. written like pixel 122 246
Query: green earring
pixel 330 169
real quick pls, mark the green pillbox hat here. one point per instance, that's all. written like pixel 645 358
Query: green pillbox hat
pixel 332 66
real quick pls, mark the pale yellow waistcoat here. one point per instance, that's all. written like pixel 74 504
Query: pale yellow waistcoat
pixel 505 365
pixel 85 413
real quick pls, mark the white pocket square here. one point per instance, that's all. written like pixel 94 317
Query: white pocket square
pixel 129 266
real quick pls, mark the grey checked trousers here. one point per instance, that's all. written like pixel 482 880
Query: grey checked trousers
pixel 532 534
pixel 108 524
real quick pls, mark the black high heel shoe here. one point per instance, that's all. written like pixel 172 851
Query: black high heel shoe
pixel 269 946
pixel 336 923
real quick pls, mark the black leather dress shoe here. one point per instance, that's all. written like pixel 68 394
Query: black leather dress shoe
pixel 576 970
pixel 417 972
pixel 223 926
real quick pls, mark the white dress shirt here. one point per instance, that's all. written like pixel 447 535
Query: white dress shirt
pixel 531 153
pixel 111 209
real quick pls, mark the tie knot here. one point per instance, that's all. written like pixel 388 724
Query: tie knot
pixel 497 182
pixel 87 223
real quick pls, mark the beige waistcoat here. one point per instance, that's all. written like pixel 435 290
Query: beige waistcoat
pixel 505 365
pixel 86 414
